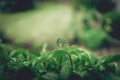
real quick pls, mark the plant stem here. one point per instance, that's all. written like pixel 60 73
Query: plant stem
pixel 71 63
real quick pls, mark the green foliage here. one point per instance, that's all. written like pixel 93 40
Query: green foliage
pixel 86 3
pixel 92 38
pixel 65 63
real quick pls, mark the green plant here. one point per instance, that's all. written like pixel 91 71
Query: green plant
pixel 85 3
pixel 92 38
pixel 65 63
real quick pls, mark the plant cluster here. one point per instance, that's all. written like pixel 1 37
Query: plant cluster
pixel 92 38
pixel 65 63
pixel 91 35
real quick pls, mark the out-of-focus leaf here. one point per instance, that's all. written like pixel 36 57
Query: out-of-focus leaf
pixel 65 71
pixel 50 76
pixel 112 58
pixel 82 74
pixel 58 57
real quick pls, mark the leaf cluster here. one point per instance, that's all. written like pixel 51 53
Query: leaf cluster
pixel 64 63
pixel 89 38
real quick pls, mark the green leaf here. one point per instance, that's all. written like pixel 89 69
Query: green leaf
pixel 73 50
pixel 65 71
pixel 19 54
pixel 50 76
pixel 112 58
pixel 59 56
pixel 82 74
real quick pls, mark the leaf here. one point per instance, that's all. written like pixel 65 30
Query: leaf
pixel 50 76
pixel 73 50
pixel 93 59
pixel 99 62
pixel 65 71
pixel 112 58
pixel 82 74
pixel 4 58
pixel 59 56
pixel 19 54
pixel 85 57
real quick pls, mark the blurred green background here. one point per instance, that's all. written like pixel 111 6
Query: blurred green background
pixel 90 24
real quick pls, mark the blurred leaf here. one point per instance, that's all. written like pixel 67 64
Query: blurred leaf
pixel 90 38
pixel 112 58
pixel 65 71
pixel 82 74
pixel 50 76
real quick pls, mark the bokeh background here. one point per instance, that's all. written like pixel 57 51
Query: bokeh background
pixel 92 25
